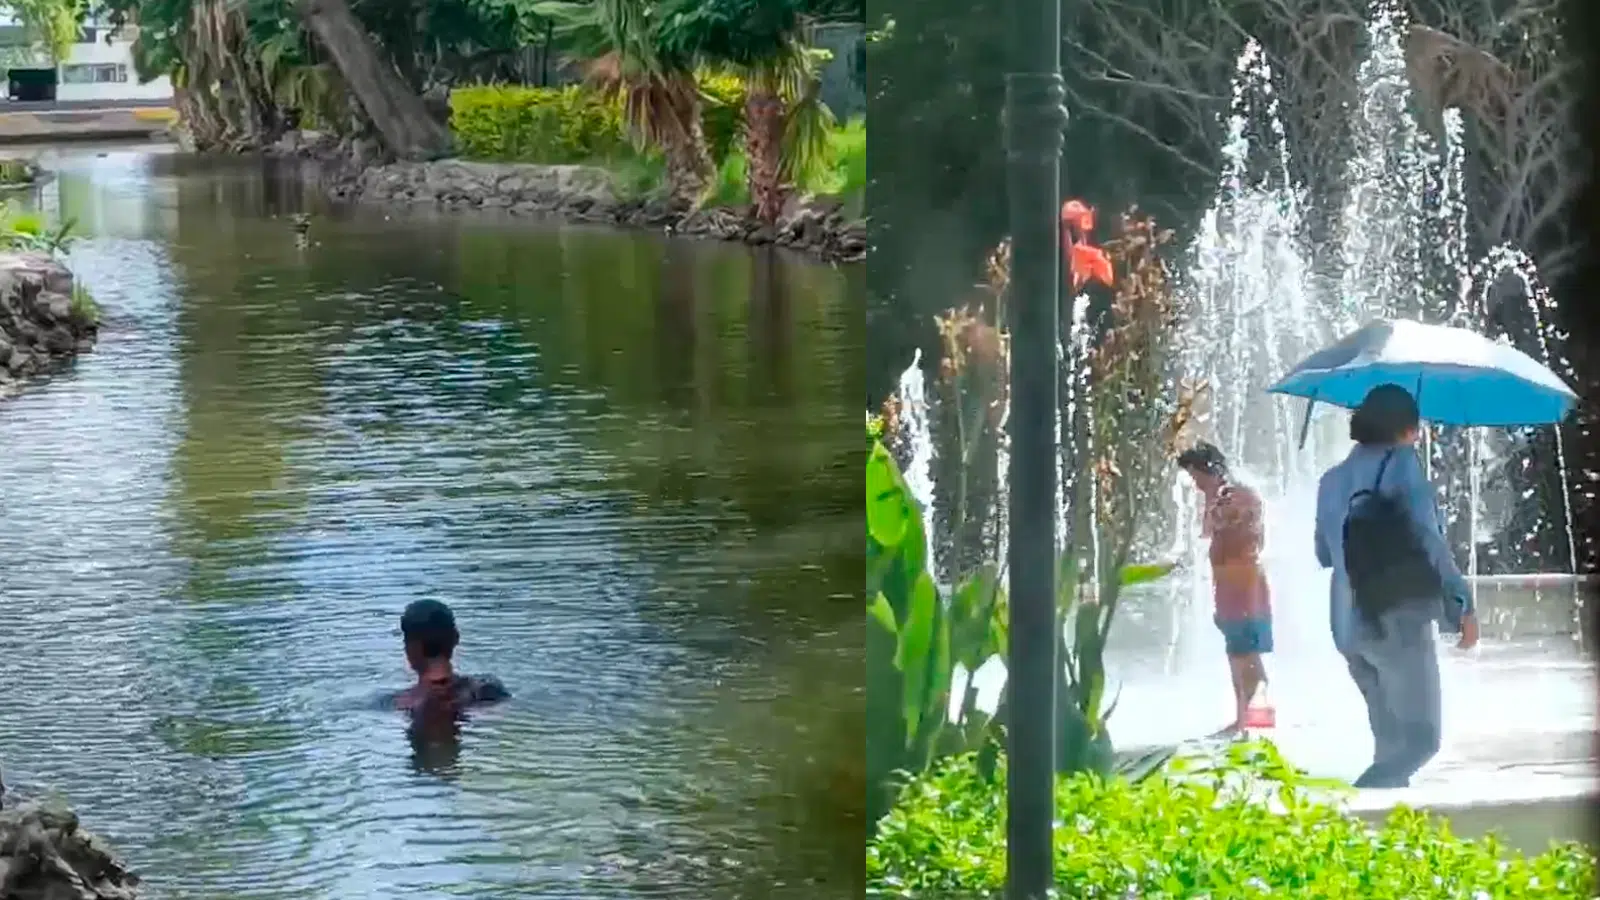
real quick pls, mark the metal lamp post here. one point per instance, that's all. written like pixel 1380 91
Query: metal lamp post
pixel 1033 124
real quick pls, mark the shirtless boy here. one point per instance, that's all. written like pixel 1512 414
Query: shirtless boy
pixel 428 628
pixel 1232 520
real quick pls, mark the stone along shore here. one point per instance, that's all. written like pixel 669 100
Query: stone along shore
pixel 43 324
pixel 44 855
pixel 817 226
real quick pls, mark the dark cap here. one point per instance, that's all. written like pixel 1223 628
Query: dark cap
pixel 431 624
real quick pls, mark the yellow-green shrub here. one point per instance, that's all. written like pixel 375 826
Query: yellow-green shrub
pixel 722 112
pixel 557 126
pixel 844 169
pixel 554 126
pixel 841 171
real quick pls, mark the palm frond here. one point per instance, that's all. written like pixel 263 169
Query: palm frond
pixel 808 121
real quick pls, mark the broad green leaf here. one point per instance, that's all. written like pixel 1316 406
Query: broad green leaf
pixel 917 644
pixel 1096 684
pixel 934 722
pixel 972 615
pixel 936 696
pixel 1085 635
pixel 890 508
pixel 878 611
pixel 998 641
pixel 880 564
pixel 1143 573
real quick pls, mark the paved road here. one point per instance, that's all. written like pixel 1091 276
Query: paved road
pixel 78 105
pixel 30 124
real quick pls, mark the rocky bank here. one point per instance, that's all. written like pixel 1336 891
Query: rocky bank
pixel 818 226
pixel 44 855
pixel 41 327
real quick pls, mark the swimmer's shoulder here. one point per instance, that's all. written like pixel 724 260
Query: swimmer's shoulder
pixel 389 701
pixel 488 689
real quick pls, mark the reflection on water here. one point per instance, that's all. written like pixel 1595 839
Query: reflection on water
pixel 624 461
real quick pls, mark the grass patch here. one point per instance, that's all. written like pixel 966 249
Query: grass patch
pixel 729 187
pixel 83 304
pixel 16 172
pixel 841 172
pixel 22 229
pixel 1175 838
pixel 636 177
pixel 844 170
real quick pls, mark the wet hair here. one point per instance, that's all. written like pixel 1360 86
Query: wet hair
pixel 432 626
pixel 1203 457
pixel 1384 416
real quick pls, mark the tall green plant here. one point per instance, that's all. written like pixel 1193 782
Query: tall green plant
pixel 1135 420
pixel 917 633
pixel 1083 735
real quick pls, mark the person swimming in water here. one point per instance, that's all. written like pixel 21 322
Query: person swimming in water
pixel 429 630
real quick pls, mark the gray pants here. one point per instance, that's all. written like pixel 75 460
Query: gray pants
pixel 1398 675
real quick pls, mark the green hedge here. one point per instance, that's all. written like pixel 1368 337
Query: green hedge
pixel 558 126
pixel 1173 839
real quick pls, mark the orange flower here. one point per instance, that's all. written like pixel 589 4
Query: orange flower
pixel 1088 264
pixel 1078 216
pixel 1085 261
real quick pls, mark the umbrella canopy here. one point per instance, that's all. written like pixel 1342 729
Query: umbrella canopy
pixel 1458 377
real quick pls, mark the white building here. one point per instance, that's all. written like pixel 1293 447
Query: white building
pixel 98 67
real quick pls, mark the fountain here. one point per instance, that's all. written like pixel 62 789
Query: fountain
pixel 1256 306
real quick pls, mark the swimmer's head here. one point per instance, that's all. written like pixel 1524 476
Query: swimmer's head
pixel 1205 464
pixel 429 630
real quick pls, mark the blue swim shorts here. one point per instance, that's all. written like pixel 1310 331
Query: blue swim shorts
pixel 1244 637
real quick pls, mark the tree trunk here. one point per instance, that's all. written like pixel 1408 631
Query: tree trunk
pixel 689 165
pixel 398 113
pixel 196 112
pixel 763 150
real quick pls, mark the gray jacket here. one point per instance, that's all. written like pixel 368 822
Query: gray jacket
pixel 1403 477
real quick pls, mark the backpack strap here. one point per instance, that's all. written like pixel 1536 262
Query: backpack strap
pixel 1382 466
pixel 1376 482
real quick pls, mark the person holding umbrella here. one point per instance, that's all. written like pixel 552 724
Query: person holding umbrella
pixel 1377 520
pixel 1383 612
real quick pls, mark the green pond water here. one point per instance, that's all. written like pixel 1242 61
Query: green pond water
pixel 629 463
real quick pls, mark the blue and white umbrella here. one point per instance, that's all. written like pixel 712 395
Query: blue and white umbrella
pixel 1458 377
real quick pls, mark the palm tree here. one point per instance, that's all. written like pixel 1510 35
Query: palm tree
pixel 656 87
pixel 762 41
pixel 398 113
pixel 237 66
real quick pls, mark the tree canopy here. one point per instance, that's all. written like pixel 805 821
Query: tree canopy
pixel 51 24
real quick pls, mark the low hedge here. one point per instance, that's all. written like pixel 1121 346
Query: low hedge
pixel 1177 839
pixel 560 126
pixel 556 126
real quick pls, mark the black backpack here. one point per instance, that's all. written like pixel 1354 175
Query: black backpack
pixel 1383 555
